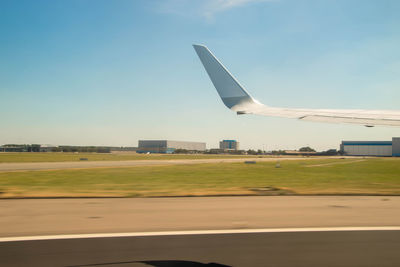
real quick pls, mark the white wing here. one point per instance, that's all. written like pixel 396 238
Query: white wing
pixel 238 99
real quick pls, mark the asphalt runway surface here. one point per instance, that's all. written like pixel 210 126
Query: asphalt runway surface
pixel 37 166
pixel 98 232
pixel 321 248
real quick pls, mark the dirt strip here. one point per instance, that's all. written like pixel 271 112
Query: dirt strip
pixel 23 217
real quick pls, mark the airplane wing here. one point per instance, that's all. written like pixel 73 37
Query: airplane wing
pixel 236 98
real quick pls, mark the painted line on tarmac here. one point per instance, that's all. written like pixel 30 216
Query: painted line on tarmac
pixel 200 232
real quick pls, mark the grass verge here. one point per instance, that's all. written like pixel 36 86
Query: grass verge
pixel 326 176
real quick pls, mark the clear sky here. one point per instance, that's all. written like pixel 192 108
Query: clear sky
pixel 93 72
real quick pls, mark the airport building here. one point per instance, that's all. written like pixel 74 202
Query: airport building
pixel 372 148
pixel 47 148
pixel 168 146
pixel 229 145
pixel 20 148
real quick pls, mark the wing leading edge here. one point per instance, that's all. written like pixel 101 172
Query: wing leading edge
pixel 236 98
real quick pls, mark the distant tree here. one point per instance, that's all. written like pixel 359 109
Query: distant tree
pixel 237 152
pixel 330 152
pixel 103 150
pixel 251 152
pixel 278 152
pixel 306 149
pixel 181 151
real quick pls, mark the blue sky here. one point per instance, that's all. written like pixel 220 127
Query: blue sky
pixel 92 72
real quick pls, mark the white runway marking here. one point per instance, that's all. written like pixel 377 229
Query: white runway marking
pixel 199 232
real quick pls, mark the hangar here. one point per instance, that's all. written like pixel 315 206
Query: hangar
pixel 372 148
pixel 168 146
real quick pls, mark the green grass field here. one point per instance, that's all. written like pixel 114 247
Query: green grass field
pixel 379 176
pixel 59 157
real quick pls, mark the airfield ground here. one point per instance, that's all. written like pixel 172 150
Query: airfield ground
pixel 139 228
pixel 350 176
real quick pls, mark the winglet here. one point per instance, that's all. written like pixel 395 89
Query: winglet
pixel 229 89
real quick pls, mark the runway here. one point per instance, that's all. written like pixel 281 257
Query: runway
pixel 318 248
pixel 203 231
pixel 37 166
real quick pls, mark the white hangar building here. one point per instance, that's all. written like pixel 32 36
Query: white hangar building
pixel 372 148
pixel 168 146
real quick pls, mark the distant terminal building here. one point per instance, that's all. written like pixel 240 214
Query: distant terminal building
pixel 168 146
pixel 47 148
pixel 372 148
pixel 229 145
pixel 20 148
